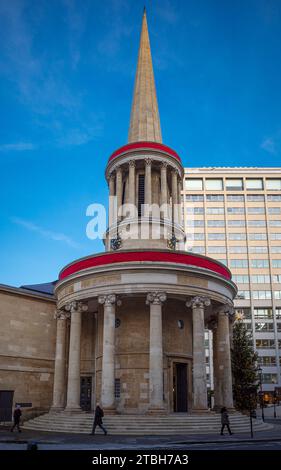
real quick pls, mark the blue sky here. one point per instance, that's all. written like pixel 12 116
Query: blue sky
pixel 66 81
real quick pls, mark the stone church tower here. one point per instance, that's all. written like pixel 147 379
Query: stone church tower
pixel 131 320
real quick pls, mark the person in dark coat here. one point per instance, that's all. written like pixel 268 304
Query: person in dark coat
pixel 225 421
pixel 98 420
pixel 16 416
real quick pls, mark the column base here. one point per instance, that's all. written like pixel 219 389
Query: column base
pixel 109 410
pixel 201 411
pixel 56 409
pixel 73 409
pixel 157 411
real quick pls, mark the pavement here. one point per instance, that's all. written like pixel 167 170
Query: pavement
pixel 63 441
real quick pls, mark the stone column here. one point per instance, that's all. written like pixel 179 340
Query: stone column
pixel 108 355
pixel 179 201
pixel 175 195
pixel 111 200
pixel 60 361
pixel 222 368
pixel 164 192
pixel 119 190
pixel 156 386
pixel 132 182
pixel 73 385
pixel 198 305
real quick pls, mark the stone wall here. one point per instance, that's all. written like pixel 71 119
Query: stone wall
pixel 27 349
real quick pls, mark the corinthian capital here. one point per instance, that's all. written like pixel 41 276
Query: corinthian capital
pixel 148 161
pixel 76 307
pixel 198 302
pixel 61 314
pixel 226 309
pixel 156 298
pixel 132 163
pixel 107 299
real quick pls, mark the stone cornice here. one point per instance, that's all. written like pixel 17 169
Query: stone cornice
pixel 26 293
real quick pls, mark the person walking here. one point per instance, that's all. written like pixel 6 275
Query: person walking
pixel 16 416
pixel 99 414
pixel 225 421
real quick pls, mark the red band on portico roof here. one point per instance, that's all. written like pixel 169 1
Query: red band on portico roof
pixel 144 145
pixel 151 256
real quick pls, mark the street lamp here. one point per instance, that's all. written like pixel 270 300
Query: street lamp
pixel 261 392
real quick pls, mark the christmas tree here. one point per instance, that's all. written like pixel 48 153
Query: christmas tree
pixel 244 368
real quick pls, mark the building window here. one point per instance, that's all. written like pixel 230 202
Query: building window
pixel 240 279
pixel 258 249
pixel 257 236
pixel 213 184
pixel 243 294
pixel 259 263
pixel 274 197
pixel 216 223
pixel 274 210
pixel 237 249
pixel 194 184
pixel 200 250
pixel 195 210
pixel 269 379
pixel 275 236
pixel 278 327
pixel 276 278
pixel 276 249
pixel 239 263
pixel 194 197
pixel 180 324
pixel 277 294
pixel 198 236
pixel 216 249
pixel 215 210
pixel 256 210
pixel 235 210
pixel 234 184
pixel 273 184
pixel 267 361
pixel 236 223
pixel 216 236
pixel 264 327
pixel 260 279
pixel 276 263
pixel 255 197
pixel 235 197
pixel 117 388
pixel 215 197
pixel 256 223
pixel 263 313
pixel 265 343
pixel 195 223
pixel 278 313
pixel 275 223
pixel 117 322
pixel 254 183
pixel 262 294
pixel 237 236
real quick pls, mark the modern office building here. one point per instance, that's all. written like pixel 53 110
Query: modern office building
pixel 235 214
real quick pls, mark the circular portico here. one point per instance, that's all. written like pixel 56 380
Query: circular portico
pixel 150 309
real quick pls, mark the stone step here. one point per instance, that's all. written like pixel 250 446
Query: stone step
pixel 81 423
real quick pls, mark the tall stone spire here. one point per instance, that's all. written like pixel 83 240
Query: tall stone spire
pixel 144 122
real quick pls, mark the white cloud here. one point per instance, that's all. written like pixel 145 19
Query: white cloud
pixel 56 236
pixel 18 147
pixel 269 145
